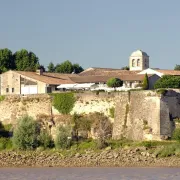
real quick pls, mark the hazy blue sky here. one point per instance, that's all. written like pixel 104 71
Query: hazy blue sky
pixel 93 33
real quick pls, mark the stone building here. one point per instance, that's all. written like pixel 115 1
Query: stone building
pixel 138 61
pixel 22 82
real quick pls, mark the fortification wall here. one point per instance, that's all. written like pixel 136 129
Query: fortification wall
pixel 142 115
pixel 139 115
pixel 13 107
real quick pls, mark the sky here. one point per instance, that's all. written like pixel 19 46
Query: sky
pixel 93 33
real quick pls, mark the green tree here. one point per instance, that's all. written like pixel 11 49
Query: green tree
pixel 63 138
pixel 26 61
pixel 168 81
pixel 51 67
pixel 125 68
pixel 26 133
pixel 65 67
pixel 145 83
pixel 177 67
pixel 77 68
pixel 6 60
pixel 114 82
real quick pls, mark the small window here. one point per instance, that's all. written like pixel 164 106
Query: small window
pixel 12 90
pixel 133 63
pixel 138 62
pixel 7 90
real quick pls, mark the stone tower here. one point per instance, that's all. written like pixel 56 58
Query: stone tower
pixel 138 61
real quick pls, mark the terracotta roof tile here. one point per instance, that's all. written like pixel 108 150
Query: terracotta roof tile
pixel 97 79
pixel 106 72
pixel 49 78
pixel 169 72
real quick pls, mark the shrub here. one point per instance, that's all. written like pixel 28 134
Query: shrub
pixel 145 84
pixel 45 139
pixel 168 81
pixel 5 143
pixel 101 125
pixel 112 111
pixel 26 133
pixel 81 123
pixel 176 134
pixel 2 98
pixel 5 130
pixel 63 138
pixel 162 91
pixel 64 102
pixel 114 82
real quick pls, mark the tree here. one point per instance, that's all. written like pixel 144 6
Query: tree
pixel 42 67
pixel 51 67
pixel 145 83
pixel 125 68
pixel 26 134
pixel 26 61
pixel 6 60
pixel 64 137
pixel 77 68
pixel 114 82
pixel 65 67
pixel 168 81
pixel 177 67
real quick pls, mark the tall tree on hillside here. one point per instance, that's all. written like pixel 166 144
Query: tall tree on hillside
pixel 26 61
pixel 6 60
pixel 177 67
pixel 51 67
pixel 65 67
pixel 145 83
pixel 77 68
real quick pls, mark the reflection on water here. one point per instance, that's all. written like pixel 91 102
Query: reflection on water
pixel 89 173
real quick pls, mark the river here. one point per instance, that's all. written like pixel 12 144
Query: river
pixel 89 173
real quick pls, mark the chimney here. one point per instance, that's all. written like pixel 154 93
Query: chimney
pixel 39 71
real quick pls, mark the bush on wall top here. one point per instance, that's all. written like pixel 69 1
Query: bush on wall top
pixel 64 102
pixel 168 81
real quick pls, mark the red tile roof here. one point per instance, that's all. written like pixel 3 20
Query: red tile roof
pixel 49 78
pixel 169 72
pixel 106 72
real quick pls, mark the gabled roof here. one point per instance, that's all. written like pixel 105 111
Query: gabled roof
pixel 49 78
pixel 169 72
pixel 97 79
pixel 106 72
pixel 160 72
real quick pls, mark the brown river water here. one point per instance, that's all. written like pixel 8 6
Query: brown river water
pixel 89 173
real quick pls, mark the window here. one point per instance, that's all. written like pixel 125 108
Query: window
pixel 7 90
pixel 138 62
pixel 12 90
pixel 133 63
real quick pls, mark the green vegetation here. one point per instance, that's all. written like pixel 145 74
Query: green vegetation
pixel 5 143
pixel 2 98
pixel 168 82
pixel 64 102
pixel 162 91
pixel 177 67
pixel 65 67
pixel 64 137
pixel 45 139
pixel 145 84
pixel 176 134
pixel 24 60
pixel 114 82
pixel 26 133
pixel 112 111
